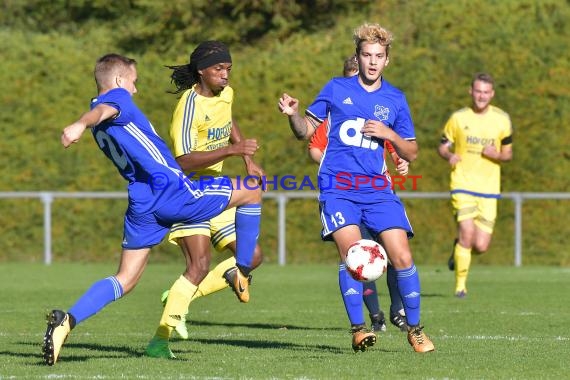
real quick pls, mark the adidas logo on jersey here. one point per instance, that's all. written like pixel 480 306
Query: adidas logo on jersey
pixel 207 118
pixel 347 101
pixel 351 292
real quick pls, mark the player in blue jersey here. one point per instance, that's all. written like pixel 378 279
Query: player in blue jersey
pixel 159 195
pixel 317 145
pixel 364 111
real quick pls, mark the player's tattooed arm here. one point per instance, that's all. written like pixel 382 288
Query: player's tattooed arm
pixel 302 127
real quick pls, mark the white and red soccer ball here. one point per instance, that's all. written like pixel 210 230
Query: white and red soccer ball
pixel 366 260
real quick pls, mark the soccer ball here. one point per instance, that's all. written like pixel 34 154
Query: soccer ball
pixel 366 260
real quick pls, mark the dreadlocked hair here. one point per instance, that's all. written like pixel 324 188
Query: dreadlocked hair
pixel 186 76
pixel 182 78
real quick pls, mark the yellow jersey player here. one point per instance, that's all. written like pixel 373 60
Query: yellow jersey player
pixel 481 137
pixel 204 133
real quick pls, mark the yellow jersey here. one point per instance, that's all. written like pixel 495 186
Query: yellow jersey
pixel 201 124
pixel 469 132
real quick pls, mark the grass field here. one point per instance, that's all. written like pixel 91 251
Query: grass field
pixel 513 325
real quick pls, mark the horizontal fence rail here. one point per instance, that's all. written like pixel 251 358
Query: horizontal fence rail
pixel 281 197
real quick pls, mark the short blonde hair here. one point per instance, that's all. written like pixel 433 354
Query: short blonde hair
pixel 372 33
pixel 110 65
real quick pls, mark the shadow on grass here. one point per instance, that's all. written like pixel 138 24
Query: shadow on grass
pixel 68 355
pixel 116 352
pixel 266 326
pixel 255 344
pixel 434 295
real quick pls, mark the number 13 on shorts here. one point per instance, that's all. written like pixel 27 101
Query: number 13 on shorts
pixel 337 219
pixel 338 213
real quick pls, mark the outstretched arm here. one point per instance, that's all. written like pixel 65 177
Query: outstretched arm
pixel 302 127
pixel 72 133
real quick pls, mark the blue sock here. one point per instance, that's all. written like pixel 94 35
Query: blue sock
pixel 395 299
pixel 370 297
pixel 351 291
pixel 409 285
pixel 96 298
pixel 248 219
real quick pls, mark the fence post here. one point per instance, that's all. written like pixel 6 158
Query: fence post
pixel 47 199
pixel 517 197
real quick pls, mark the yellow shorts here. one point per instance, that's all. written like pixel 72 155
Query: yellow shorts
pixel 482 210
pixel 221 230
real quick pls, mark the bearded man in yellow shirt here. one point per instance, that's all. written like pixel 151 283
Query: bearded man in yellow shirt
pixel 475 141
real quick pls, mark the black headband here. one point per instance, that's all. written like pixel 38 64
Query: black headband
pixel 214 58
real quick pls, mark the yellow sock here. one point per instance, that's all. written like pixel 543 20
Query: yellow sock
pixel 177 305
pixel 462 258
pixel 214 281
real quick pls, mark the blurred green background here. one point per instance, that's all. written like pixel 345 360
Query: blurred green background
pixel 48 50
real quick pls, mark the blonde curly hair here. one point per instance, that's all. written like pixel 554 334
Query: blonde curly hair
pixel 372 33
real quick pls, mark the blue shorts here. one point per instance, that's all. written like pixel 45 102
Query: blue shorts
pixel 144 230
pixel 378 216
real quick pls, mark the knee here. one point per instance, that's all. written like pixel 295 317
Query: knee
pixel 197 270
pixel 254 187
pixel 482 243
pixel 481 248
pixel 401 261
pixel 257 194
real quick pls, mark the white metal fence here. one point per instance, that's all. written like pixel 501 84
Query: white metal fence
pixel 47 198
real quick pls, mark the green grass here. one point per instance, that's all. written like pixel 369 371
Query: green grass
pixel 513 325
